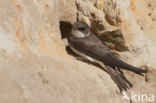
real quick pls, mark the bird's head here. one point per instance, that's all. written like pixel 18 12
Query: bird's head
pixel 80 29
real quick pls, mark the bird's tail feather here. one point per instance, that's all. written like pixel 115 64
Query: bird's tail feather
pixel 121 83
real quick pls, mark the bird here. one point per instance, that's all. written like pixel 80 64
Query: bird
pixel 86 44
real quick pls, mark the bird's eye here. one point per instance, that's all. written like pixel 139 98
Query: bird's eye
pixel 82 29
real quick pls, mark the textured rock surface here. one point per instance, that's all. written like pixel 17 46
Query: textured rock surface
pixel 135 19
pixel 34 65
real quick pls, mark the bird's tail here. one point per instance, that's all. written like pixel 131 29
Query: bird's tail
pixel 119 79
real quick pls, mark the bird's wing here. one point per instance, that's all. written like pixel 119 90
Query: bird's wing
pixel 90 46
pixel 93 47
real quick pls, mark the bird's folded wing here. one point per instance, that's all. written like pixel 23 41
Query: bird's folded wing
pixel 90 46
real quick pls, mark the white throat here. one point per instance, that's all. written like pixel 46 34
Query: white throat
pixel 79 34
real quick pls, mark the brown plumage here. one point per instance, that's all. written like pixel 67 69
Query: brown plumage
pixel 89 45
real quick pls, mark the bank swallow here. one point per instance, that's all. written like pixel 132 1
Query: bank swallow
pixel 85 44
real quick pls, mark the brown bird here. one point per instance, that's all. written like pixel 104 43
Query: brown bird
pixel 85 44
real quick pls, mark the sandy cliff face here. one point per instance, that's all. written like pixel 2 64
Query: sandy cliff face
pixel 135 20
pixel 34 64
